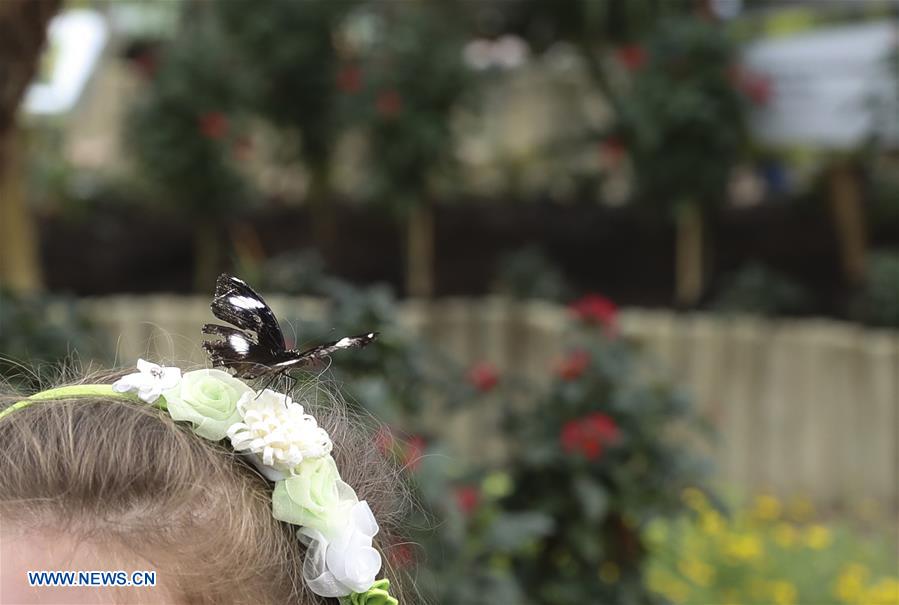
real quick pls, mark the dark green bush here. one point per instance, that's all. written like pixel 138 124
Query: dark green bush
pixel 37 344
pixel 759 290
pixel 877 304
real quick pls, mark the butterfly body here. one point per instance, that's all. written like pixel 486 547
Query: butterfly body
pixel 253 345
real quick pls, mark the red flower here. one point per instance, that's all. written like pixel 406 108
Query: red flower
pixel 755 86
pixel 467 498
pixel 213 124
pixel 589 435
pixel 604 426
pixel 572 366
pixel 631 56
pixel 413 453
pixel 389 104
pixel 595 309
pixel 384 440
pixel 349 79
pixel 483 376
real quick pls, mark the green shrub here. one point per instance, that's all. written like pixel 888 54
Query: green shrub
pixel 36 344
pixel 759 290
pixel 528 273
pixel 878 302
pixel 602 453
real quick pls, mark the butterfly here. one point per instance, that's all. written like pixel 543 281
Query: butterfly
pixel 255 348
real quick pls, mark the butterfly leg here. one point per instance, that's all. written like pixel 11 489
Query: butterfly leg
pixel 289 382
pixel 269 383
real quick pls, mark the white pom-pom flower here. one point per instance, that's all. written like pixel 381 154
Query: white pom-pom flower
pixel 149 381
pixel 277 432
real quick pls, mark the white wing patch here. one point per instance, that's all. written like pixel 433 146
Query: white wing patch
pixel 245 302
pixel 239 343
pixel 343 343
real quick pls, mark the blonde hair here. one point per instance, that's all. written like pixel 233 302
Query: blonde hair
pixel 127 472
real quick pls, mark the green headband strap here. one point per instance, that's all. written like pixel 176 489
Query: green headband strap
pixel 75 391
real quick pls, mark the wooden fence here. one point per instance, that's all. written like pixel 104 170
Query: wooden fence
pixel 802 406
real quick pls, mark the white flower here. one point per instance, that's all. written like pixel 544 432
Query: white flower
pixel 208 400
pixel 278 432
pixel 337 565
pixel 149 381
pixel 314 497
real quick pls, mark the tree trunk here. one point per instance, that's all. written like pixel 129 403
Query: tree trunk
pixel 420 251
pixel 689 255
pixel 849 220
pixel 20 268
pixel 23 31
pixel 207 252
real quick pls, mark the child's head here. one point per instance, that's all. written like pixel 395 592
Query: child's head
pixel 111 484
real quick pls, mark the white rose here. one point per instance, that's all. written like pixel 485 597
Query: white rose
pixel 208 399
pixel 314 497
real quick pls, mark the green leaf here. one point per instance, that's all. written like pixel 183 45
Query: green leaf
pixel 512 531
pixel 592 497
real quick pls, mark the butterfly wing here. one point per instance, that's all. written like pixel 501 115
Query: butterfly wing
pixel 238 350
pixel 309 356
pixel 236 303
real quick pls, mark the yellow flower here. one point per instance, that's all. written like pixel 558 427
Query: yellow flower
pixel 711 522
pixel 885 592
pixel 676 590
pixel 694 498
pixel 851 583
pixel 662 581
pixel 817 537
pixel 785 535
pixel 697 572
pixel 497 485
pixel 609 572
pixel 767 508
pixel 784 593
pixel 746 547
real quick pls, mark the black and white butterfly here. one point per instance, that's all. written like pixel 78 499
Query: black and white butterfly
pixel 255 348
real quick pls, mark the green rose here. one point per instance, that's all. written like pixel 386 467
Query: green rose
pixel 376 595
pixel 314 497
pixel 208 399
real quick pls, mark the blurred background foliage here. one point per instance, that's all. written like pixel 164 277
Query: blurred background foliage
pixel 42 338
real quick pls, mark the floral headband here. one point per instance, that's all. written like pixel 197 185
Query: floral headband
pixel 288 447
